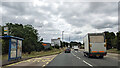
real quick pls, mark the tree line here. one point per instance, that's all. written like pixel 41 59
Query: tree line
pixel 113 40
pixel 31 40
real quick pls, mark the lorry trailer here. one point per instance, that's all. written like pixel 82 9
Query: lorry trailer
pixel 95 45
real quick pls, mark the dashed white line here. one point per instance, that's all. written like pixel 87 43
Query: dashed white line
pixel 76 51
pixel 83 60
pixel 87 63
pixel 78 57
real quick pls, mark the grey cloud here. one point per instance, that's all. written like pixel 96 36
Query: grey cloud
pixel 109 8
pixel 75 14
pixel 78 32
pixel 85 17
pixel 105 24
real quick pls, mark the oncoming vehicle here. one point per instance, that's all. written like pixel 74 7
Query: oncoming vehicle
pixel 94 45
pixel 67 50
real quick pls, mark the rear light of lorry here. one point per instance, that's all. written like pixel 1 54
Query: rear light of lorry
pixel 105 45
pixel 101 51
pixel 104 54
pixel 91 55
pixel 94 51
pixel 90 45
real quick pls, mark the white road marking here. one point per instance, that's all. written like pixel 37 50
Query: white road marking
pixel 76 51
pixel 87 63
pixel 83 60
pixel 78 57
pixel 43 66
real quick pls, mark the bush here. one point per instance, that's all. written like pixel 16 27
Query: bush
pixel 50 48
pixel 56 46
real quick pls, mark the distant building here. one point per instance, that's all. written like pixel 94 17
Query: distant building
pixel 46 45
pixel 55 42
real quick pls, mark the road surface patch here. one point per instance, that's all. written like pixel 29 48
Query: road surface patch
pixel 76 51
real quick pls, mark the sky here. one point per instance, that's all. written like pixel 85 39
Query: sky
pixel 76 19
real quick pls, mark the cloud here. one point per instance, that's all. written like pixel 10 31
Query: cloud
pixel 74 18
pixel 110 22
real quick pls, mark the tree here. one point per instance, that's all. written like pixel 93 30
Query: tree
pixel 118 40
pixel 114 42
pixel 108 38
pixel 28 33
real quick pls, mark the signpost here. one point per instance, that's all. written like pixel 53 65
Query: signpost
pixel 5 30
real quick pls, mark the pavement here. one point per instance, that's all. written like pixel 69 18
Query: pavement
pixel 32 63
pixel 75 59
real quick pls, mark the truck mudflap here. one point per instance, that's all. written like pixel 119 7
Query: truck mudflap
pixel 98 54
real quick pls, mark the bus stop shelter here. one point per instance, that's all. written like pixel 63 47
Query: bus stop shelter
pixel 15 47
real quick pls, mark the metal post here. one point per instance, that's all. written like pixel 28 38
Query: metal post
pixel 69 38
pixel 62 35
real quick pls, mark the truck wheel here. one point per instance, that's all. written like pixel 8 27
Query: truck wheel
pixel 84 55
pixel 100 56
pixel 88 55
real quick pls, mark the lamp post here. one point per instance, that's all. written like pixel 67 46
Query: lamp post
pixel 62 35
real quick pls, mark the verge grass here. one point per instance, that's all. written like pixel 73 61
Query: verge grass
pixel 37 54
pixel 113 51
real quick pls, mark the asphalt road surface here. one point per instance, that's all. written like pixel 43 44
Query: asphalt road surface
pixel 77 60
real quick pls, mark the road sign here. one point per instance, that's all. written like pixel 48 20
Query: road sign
pixel 5 30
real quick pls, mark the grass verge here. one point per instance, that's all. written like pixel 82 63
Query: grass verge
pixel 37 54
pixel 113 51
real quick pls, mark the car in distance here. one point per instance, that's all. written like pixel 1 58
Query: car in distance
pixel 76 48
pixel 67 50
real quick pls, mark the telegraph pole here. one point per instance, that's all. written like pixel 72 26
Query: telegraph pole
pixel 62 35
pixel 69 38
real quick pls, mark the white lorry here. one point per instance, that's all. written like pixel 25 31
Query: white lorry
pixel 94 45
pixel 76 48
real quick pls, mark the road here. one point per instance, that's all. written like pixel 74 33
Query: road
pixel 75 59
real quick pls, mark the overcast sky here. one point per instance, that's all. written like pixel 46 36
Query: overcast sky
pixel 76 19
